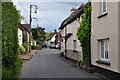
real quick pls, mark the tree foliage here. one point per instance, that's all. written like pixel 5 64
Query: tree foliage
pixel 84 33
pixel 10 59
pixel 38 34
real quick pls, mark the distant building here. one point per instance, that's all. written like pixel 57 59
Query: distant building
pixel 48 38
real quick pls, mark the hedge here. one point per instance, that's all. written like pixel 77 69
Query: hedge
pixel 10 60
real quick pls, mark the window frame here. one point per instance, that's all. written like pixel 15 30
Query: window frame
pixel 104 59
pixel 106 7
pixel 74 44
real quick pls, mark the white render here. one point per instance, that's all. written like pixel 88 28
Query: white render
pixel 20 37
pixel 62 32
pixel 106 27
pixel 33 43
pixel 71 28
pixel 53 38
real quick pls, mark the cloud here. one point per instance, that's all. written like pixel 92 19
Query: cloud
pixel 50 14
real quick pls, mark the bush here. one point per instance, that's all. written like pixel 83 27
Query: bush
pixel 33 46
pixel 22 50
pixel 25 45
pixel 62 54
pixel 12 72
pixel 38 45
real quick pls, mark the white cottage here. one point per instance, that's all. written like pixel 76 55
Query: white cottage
pixel 70 45
pixel 20 36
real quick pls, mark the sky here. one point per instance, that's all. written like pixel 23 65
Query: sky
pixel 50 14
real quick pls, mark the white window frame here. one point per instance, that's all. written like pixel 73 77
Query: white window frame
pixel 104 59
pixel 106 6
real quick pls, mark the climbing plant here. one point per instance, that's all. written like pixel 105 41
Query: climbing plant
pixel 10 60
pixel 84 34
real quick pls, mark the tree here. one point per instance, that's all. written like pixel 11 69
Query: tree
pixel 38 34
pixel 84 34
pixel 10 60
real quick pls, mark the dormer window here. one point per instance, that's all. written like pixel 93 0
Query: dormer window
pixel 104 6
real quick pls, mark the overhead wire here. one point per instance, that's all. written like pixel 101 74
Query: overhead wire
pixel 23 8
pixel 42 13
pixel 47 14
pixel 48 19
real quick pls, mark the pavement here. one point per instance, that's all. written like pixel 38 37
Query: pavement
pixel 47 63
pixel 28 55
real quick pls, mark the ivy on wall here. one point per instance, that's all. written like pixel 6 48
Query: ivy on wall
pixel 84 34
pixel 10 60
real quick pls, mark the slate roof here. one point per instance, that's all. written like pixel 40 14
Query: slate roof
pixel 26 27
pixel 73 16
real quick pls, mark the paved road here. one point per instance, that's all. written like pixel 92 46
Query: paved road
pixel 48 64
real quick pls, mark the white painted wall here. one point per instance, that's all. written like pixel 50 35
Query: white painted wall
pixel 72 28
pixel 62 32
pixel 53 38
pixel 105 27
pixel 33 43
pixel 20 37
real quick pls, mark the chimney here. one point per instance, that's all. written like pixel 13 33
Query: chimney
pixel 73 9
pixel 23 21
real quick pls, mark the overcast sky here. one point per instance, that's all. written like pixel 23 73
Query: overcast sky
pixel 50 14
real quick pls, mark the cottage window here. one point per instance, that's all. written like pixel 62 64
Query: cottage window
pixel 74 44
pixel 104 50
pixel 104 6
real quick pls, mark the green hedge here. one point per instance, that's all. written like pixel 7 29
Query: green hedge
pixel 10 60
pixel 33 47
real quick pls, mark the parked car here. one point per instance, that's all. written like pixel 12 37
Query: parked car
pixel 52 46
pixel 44 45
pixel 58 46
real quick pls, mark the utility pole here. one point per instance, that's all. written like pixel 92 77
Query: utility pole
pixel 31 23
pixel 30 15
pixel 30 27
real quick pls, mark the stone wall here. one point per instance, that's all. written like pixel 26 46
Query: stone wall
pixel 75 55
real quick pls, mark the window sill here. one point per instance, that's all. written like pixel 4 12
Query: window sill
pixel 103 62
pixel 102 15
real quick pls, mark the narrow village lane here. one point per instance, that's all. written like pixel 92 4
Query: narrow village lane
pixel 48 64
